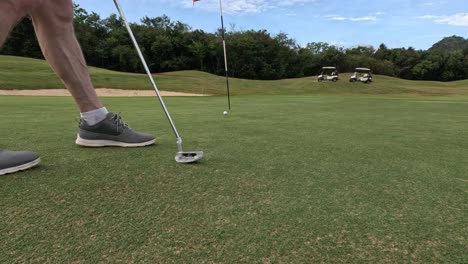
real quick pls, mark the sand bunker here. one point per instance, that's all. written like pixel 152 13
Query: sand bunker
pixel 100 92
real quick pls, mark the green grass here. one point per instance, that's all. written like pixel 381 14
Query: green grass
pixel 286 179
pixel 24 73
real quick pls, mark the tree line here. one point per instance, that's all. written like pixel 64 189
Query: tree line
pixel 252 54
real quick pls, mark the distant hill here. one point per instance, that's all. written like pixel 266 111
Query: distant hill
pixel 452 43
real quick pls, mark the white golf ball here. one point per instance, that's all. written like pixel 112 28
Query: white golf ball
pixel 225 113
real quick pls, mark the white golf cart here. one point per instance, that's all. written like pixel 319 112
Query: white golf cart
pixel 361 75
pixel 328 74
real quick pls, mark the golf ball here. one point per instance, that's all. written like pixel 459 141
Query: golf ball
pixel 225 113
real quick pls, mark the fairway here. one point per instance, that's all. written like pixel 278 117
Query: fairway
pixel 286 179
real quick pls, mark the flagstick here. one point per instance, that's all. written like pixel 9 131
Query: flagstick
pixel 225 54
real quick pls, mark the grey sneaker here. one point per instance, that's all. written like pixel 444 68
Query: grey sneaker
pixel 13 161
pixel 112 131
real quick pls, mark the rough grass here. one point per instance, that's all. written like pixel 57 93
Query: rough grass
pixel 24 73
pixel 286 179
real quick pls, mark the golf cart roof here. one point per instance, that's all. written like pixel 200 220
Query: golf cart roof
pixel 329 68
pixel 363 69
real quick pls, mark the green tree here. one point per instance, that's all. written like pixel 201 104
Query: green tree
pixel 423 70
pixel 22 41
pixel 254 54
pixel 199 50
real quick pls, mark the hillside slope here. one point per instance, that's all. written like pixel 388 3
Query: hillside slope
pixel 24 73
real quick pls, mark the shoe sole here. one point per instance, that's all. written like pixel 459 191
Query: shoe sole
pixel 20 167
pixel 110 143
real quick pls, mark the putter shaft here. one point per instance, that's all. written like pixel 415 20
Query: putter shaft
pixel 145 65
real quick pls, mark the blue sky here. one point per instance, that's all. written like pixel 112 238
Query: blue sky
pixel 397 23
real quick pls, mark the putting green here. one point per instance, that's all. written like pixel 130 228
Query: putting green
pixel 294 179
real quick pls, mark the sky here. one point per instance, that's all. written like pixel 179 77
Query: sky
pixel 345 23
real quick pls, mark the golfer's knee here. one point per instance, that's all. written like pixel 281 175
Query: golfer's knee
pixel 63 9
pixel 9 9
pixel 54 15
pixel 23 7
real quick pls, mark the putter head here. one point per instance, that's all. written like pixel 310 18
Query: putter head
pixel 188 156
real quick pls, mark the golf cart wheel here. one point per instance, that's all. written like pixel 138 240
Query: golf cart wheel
pixel 334 79
pixel 352 80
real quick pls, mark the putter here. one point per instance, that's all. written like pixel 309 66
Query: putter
pixel 181 156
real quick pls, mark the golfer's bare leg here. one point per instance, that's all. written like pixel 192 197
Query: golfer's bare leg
pixel 13 161
pixel 53 23
pixel 9 16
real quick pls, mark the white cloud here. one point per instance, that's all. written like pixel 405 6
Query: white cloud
pixel 435 3
pixel 460 19
pixel 427 17
pixel 366 18
pixel 343 18
pixel 336 17
pixel 240 6
pixel 455 20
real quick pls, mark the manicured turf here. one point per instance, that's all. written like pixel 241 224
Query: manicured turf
pixel 25 73
pixel 286 179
